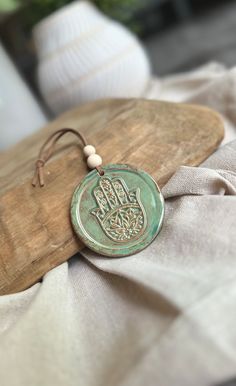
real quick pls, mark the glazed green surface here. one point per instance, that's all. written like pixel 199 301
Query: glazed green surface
pixel 92 233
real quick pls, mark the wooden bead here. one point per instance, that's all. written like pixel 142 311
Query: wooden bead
pixel 89 150
pixel 93 161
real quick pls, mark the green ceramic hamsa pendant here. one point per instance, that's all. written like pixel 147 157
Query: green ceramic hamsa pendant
pixel 118 213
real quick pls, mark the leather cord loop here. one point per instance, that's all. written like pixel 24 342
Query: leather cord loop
pixel 47 150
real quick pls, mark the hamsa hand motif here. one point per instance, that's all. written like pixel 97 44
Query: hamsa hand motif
pixel 120 212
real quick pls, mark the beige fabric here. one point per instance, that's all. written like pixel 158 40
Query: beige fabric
pixel 164 317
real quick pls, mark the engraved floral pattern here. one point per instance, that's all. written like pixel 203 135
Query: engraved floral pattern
pixel 120 212
pixel 125 223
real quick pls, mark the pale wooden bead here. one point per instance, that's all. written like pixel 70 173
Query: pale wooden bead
pixel 93 161
pixel 89 150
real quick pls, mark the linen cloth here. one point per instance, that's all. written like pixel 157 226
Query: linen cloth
pixel 163 317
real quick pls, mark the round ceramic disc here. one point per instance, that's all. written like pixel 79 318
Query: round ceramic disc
pixel 119 213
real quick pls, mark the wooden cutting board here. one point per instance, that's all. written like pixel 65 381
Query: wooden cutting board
pixel 35 229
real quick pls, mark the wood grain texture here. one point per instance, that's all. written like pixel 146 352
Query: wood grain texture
pixel 35 230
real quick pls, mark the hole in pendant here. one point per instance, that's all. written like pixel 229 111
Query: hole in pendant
pixel 100 171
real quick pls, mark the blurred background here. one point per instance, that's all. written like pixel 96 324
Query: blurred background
pixel 177 35
pixel 190 32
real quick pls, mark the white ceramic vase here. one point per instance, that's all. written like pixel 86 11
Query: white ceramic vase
pixel 84 56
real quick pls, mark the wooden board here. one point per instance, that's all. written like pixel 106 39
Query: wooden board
pixel 35 229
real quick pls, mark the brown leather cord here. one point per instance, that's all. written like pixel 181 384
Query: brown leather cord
pixel 47 150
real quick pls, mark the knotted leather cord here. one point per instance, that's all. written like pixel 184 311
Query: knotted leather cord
pixel 47 150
